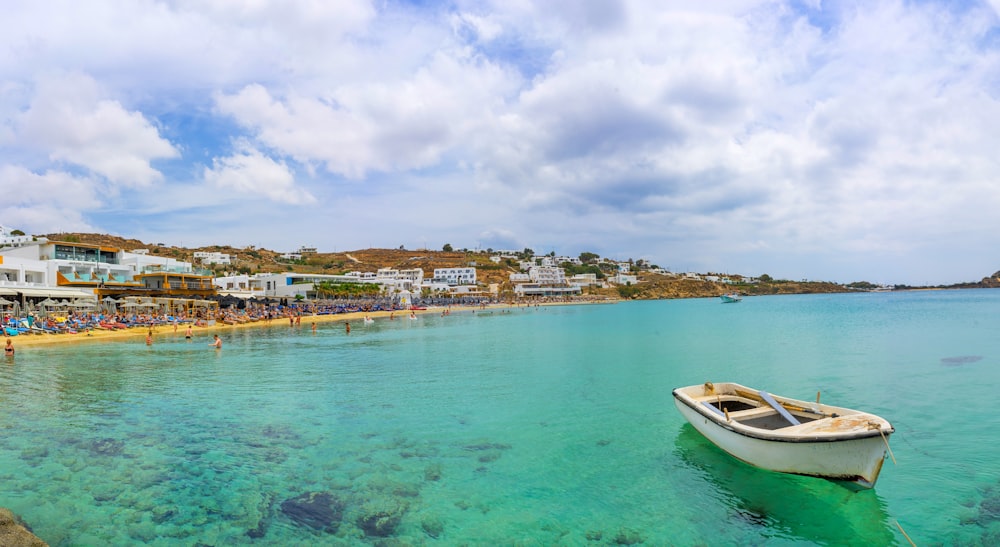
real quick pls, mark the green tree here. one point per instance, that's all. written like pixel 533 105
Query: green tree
pixel 587 258
pixel 447 248
pixel 16 233
pixel 765 278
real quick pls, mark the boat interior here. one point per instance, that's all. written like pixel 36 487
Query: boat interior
pixel 757 414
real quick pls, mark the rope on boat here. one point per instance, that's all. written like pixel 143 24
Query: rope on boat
pixel 878 426
pixel 905 534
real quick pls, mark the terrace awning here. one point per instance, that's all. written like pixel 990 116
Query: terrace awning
pixel 54 293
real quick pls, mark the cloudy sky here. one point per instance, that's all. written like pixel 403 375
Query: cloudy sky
pixel 842 141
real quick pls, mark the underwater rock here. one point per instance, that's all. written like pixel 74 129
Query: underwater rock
pixel 380 517
pixel 107 447
pixel 105 493
pixel 594 535
pixel 15 533
pixel 432 526
pixel 432 472
pixel 34 453
pixel 487 446
pixel 960 360
pixel 603 442
pixel 627 536
pixel 317 510
pixel 989 510
pixel 163 513
pixel 265 514
pixel 491 456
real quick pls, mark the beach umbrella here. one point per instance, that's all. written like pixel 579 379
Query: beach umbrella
pixel 5 302
pixel 48 302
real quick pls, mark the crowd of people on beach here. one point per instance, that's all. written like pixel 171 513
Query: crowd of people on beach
pixel 72 321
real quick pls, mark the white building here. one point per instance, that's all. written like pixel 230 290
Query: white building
pixel 543 281
pixel 241 285
pixel 291 284
pixel 41 267
pixel 8 239
pixel 455 276
pixel 212 257
pixel 535 289
pixel 547 275
pixel 585 280
pixel 625 279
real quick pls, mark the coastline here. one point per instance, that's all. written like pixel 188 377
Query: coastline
pixel 206 332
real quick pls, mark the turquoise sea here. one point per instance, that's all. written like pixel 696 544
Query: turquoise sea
pixel 536 426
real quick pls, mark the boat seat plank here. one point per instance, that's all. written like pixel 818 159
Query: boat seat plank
pixel 751 413
pixel 712 407
pixel 781 410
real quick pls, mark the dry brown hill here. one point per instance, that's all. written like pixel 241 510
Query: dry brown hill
pixel 253 260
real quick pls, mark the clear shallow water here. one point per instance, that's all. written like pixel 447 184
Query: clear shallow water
pixel 540 426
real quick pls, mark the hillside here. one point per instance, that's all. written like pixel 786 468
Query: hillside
pixel 268 261
pixel 650 287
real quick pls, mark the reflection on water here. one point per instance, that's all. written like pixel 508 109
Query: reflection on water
pixel 789 506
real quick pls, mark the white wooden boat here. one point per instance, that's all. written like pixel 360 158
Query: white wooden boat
pixel 788 435
pixel 731 298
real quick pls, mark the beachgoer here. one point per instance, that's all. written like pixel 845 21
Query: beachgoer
pixel 298 320
pixel 347 326
pixel 216 342
pixel 187 333
pixel 291 321
pixel 149 338
pixel 8 350
pixel 314 326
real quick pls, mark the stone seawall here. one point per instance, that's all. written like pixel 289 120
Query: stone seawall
pixel 14 533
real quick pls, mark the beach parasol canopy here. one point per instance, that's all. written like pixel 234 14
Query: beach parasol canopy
pixel 48 302
pixel 5 302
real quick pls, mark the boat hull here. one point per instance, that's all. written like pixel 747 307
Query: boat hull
pixel 858 460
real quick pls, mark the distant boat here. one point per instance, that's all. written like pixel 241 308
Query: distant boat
pixel 731 298
pixel 788 435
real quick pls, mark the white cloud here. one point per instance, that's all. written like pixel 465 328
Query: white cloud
pixel 251 172
pixel 36 203
pixel 377 126
pixel 69 119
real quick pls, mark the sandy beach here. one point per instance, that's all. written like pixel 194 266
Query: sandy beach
pixel 206 332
